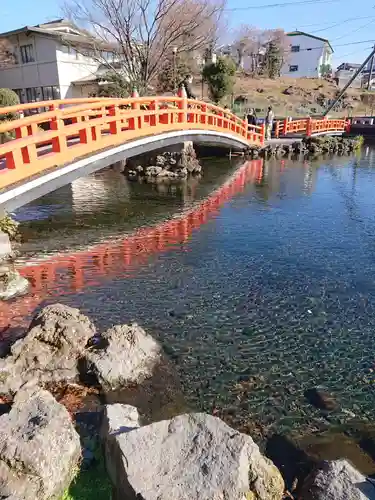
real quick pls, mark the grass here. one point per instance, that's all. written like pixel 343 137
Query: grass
pixel 90 484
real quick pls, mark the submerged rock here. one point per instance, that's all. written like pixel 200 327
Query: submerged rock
pixel 39 447
pixel 194 456
pixel 337 480
pixel 51 351
pixel 129 356
pixel 321 398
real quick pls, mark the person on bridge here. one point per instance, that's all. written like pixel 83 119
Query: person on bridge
pixel 269 122
pixel 251 117
pixel 187 84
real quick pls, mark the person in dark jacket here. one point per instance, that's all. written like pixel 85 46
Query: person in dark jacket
pixel 251 117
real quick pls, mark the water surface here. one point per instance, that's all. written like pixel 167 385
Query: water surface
pixel 259 280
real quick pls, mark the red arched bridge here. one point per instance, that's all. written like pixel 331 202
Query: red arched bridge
pixel 62 140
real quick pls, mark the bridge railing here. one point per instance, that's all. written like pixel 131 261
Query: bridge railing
pixel 310 126
pixel 32 108
pixel 59 136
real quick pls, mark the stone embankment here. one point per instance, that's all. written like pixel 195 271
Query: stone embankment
pixel 310 146
pixel 182 456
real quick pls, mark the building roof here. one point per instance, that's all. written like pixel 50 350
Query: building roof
pixel 60 28
pixel 296 33
pixel 346 66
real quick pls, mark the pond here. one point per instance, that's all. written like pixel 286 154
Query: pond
pixel 258 279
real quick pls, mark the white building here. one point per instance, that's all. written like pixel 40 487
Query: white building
pixel 308 53
pixel 345 72
pixel 52 61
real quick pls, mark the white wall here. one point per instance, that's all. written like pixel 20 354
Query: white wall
pixel 41 73
pixel 308 61
pixel 73 66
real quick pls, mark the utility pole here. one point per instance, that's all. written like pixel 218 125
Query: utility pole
pixel 332 105
pixel 370 74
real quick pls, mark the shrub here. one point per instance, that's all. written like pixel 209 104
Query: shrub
pixel 9 227
pixel 8 98
pixel 220 77
pixel 117 86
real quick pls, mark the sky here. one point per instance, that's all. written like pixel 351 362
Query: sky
pixel 344 23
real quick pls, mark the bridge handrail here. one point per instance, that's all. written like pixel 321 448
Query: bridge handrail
pixel 82 105
pixel 18 108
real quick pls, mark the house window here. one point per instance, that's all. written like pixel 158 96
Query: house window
pixel 50 93
pixel 31 94
pixel 293 68
pixel 27 53
pixel 295 48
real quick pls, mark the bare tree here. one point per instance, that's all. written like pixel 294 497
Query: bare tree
pixel 252 42
pixel 6 53
pixel 142 33
pixel 246 43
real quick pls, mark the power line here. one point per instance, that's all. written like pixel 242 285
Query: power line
pixel 345 21
pixel 283 4
pixel 355 30
pixel 355 52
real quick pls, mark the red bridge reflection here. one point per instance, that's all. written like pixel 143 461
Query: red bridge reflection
pixel 65 274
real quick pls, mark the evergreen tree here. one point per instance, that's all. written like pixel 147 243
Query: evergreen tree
pixel 173 72
pixel 220 77
pixel 273 59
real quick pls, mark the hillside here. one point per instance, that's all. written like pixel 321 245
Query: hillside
pixel 292 96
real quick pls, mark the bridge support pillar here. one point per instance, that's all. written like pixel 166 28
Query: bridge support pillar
pixel 119 166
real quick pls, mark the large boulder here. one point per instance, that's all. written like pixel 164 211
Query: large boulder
pixel 194 456
pixel 337 480
pixel 51 351
pixel 39 447
pixel 129 356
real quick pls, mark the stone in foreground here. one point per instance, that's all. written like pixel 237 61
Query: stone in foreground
pixel 39 447
pixel 195 457
pixel 337 480
pixel 51 350
pixel 129 356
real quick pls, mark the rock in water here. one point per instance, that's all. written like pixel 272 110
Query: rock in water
pixel 195 457
pixel 39 447
pixel 130 356
pixel 321 398
pixel 12 284
pixel 51 350
pixel 337 480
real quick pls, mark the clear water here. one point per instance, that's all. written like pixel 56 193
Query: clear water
pixel 272 284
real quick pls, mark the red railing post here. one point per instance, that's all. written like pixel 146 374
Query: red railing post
pixel 285 126
pixel 59 143
pixel 262 133
pixel 182 117
pixel 348 126
pixel 113 111
pixel 277 129
pixel 309 126
pixel 152 107
pixel 204 111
